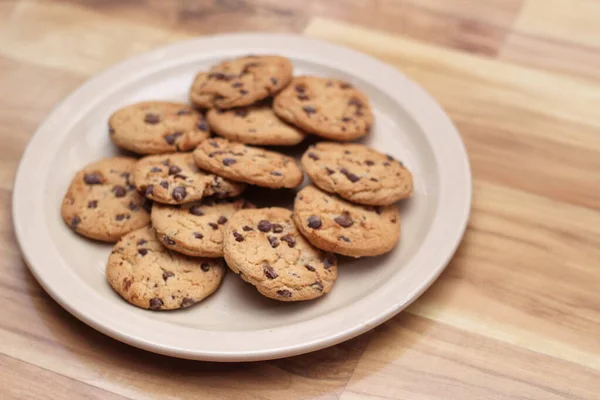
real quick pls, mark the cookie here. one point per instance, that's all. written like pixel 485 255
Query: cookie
pixel 264 247
pixel 176 179
pixel 156 127
pixel 148 275
pixel 195 229
pixel 102 204
pixel 240 82
pixel 256 124
pixel 357 173
pixel 333 224
pixel 243 163
pixel 329 108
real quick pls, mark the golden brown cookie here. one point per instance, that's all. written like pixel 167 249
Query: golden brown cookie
pixel 264 247
pixel 336 225
pixel 148 275
pixel 242 163
pixel 176 179
pixel 195 229
pixel 326 107
pixel 102 204
pixel 240 82
pixel 357 173
pixel 256 124
pixel 156 127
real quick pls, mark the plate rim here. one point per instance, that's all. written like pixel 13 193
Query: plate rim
pixel 462 203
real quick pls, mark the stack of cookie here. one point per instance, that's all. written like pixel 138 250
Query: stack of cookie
pixel 176 212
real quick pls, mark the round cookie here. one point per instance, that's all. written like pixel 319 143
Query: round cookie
pixel 156 127
pixel 102 204
pixel 329 108
pixel 240 82
pixel 253 165
pixel 357 173
pixel 176 179
pixel 148 275
pixel 264 247
pixel 333 224
pixel 256 124
pixel 195 229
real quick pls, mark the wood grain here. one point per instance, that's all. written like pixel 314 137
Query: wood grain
pixel 515 315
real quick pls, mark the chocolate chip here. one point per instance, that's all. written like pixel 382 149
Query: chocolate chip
pixel 127 284
pixel 299 88
pixel 264 225
pixel 355 102
pixel 309 109
pixel 374 179
pixel 238 237
pixel 222 220
pixel 198 235
pixel 92 179
pixel 169 241
pixel 219 76
pixel 141 242
pixel 164 184
pixel 276 173
pixel 93 204
pixel 390 158
pixel 143 252
pixel 133 206
pixel 313 156
pixel 184 112
pixel 186 302
pixel 303 97
pixel 172 137
pixel 345 85
pixel 329 261
pixel 214 153
pixel 359 113
pixel 277 228
pixel 274 81
pixel 329 170
pixel 213 143
pixel 174 169
pixel 344 220
pixel 314 222
pixel 196 210
pixel 156 303
pixel 248 66
pixel 351 177
pixel 318 285
pixel 120 217
pixel 229 161
pixel 213 225
pixel 152 119
pixel 205 266
pixel 393 220
pixel 310 267
pixel 273 241
pixel 346 119
pixel 269 271
pixel 237 84
pixel 243 92
pixel 289 239
pixel 242 112
pixel 179 193
pixel 155 169
pixel 344 238
pixel 202 126
pixel 247 228
pixel 165 162
pixel 119 191
pixel 284 293
pixel 347 152
pixel 387 164
pixel 75 221
pixel 369 163
pixel 378 210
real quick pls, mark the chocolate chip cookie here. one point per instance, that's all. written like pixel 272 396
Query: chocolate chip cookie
pixel 156 127
pixel 357 173
pixel 195 229
pixel 243 163
pixel 329 108
pixel 148 275
pixel 176 179
pixel 256 124
pixel 102 204
pixel 240 82
pixel 333 224
pixel 264 247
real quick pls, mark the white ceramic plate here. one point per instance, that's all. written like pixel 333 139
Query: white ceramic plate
pixel 237 323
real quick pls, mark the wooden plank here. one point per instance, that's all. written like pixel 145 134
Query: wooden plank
pixel 19 380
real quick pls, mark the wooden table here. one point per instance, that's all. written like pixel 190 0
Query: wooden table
pixel 516 315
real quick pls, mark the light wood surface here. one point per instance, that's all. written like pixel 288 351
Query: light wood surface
pixel 516 315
